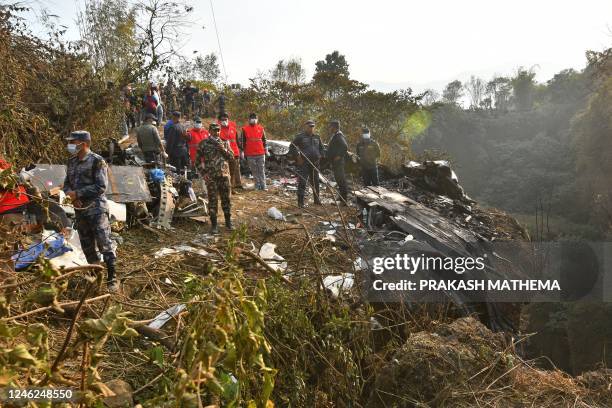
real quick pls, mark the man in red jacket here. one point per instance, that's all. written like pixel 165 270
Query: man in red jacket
pixel 253 146
pixel 229 133
pixel 196 134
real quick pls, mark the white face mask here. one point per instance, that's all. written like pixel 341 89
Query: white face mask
pixel 197 125
pixel 365 136
pixel 73 148
pixel 253 121
pixel 225 122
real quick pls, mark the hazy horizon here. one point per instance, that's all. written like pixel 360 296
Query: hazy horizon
pixel 390 44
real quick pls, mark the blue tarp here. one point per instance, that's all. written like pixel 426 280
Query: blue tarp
pixel 53 246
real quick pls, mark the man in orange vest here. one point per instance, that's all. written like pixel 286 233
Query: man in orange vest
pixel 229 133
pixel 195 135
pixel 253 146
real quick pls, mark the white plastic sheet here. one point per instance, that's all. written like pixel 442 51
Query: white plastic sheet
pixel 166 315
pixel 274 213
pixel 339 283
pixel 267 252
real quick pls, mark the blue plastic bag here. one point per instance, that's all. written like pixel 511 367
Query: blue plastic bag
pixel 157 175
pixel 54 246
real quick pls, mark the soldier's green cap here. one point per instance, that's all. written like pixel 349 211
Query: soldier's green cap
pixel 309 122
pixel 214 126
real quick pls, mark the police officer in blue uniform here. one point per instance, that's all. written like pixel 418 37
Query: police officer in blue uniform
pixel 85 184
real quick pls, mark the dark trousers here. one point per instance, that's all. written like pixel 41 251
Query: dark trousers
pixel 369 175
pixel 94 230
pixel 218 186
pixel 151 157
pixel 340 177
pixel 308 172
pixel 179 159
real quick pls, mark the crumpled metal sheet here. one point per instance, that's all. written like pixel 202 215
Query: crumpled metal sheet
pixel 126 184
pixel 278 147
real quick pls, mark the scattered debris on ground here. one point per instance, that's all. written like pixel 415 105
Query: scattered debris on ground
pixel 274 311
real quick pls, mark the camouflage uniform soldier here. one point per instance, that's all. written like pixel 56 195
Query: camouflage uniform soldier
pixel 85 183
pixel 212 158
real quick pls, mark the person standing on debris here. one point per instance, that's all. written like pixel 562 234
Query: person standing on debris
pixel 149 141
pixel 176 143
pixel 189 95
pixel 85 183
pixel 307 151
pixel 336 154
pixel 196 134
pixel 229 133
pixel 206 102
pixel 368 152
pixel 159 109
pixel 213 160
pixel 150 103
pixel 221 103
pixel 168 125
pixel 253 147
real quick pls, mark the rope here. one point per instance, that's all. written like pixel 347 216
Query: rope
pixel 218 40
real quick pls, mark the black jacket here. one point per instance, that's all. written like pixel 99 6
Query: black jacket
pixel 337 147
pixel 368 152
pixel 309 146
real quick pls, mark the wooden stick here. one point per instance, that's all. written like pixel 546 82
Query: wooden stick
pixel 43 309
pixel 263 263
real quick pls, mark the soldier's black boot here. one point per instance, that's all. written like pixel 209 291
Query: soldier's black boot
pixel 213 224
pixel 228 222
pixel 301 201
pixel 112 283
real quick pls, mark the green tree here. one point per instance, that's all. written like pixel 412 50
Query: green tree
pixel 207 68
pixel 498 90
pixel 333 63
pixel 591 129
pixel 453 92
pixel 108 36
pixel 523 88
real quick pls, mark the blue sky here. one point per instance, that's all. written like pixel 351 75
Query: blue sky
pixel 392 44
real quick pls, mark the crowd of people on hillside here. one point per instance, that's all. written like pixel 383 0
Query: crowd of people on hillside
pixel 161 100
pixel 215 153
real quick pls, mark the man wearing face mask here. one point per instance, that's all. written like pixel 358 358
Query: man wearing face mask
pixel 196 134
pixel 253 147
pixel 336 153
pixel 368 152
pixel 85 183
pixel 229 133
pixel 307 151
pixel 213 158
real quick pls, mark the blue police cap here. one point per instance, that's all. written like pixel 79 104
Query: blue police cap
pixel 81 135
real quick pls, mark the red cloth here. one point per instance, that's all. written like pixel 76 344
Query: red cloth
pixel 253 140
pixel 196 136
pixel 10 199
pixel 229 133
